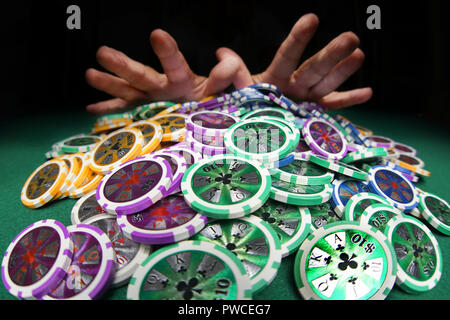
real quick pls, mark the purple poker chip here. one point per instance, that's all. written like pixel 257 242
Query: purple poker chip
pixel 379 141
pixel 203 148
pixel 92 269
pixel 135 185
pixel 404 149
pixel 324 138
pixel 37 259
pixel 210 123
pixel 177 165
pixel 170 220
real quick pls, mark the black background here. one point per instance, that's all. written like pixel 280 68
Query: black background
pixel 43 63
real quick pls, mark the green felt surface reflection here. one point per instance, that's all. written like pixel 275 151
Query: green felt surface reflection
pixel 27 140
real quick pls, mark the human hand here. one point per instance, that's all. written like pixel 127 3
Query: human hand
pixel 317 78
pixel 134 82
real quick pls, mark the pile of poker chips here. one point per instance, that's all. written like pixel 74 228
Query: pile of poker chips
pixel 226 188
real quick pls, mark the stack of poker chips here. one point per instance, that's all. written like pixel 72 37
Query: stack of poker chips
pixel 245 174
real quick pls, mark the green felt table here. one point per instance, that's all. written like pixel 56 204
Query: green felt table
pixel 25 141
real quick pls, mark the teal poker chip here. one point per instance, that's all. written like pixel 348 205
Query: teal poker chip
pixel 345 261
pixel 436 211
pixel 368 154
pixel 339 167
pixel 252 241
pixel 83 143
pixel 302 172
pixel 261 140
pixel 271 112
pixel 302 195
pixel 359 202
pixel 378 215
pixel 291 223
pixel 418 254
pixel 190 270
pixel 226 186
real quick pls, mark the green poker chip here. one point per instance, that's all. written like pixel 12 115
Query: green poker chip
pixel 190 270
pixel 252 241
pixel 271 112
pixel 339 167
pixel 345 261
pixel 291 223
pixel 302 172
pixel 83 143
pixel 378 215
pixel 359 202
pixel 322 214
pixel 147 111
pixel 365 155
pixel 418 253
pixel 436 211
pixel 259 139
pixel 226 186
pixel 302 195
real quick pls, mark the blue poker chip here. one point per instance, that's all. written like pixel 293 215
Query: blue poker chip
pixel 394 187
pixel 343 190
pixel 280 163
pixel 355 134
pixel 266 88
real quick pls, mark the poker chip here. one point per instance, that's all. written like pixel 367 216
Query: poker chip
pixel 149 110
pixel 173 126
pixel 404 149
pixel 436 211
pixel 152 133
pixel 74 165
pixel 393 163
pixel 379 141
pixel 117 148
pixel 322 214
pixel 270 111
pixel 325 139
pixel 204 149
pixel 83 143
pixel 226 186
pixel 256 139
pixel 343 190
pixel 378 215
pixel 44 183
pixel 167 221
pixel 246 238
pixel 419 256
pixel 37 259
pixel 411 160
pixel 175 271
pixel 129 254
pixel 345 261
pixel 302 195
pixel 266 88
pixel 339 167
pixel 291 223
pixel 210 123
pixel 302 172
pixel 92 268
pixel 135 185
pixel 85 208
pixel 178 167
pixel 390 184
pixel 359 202
pixel 367 154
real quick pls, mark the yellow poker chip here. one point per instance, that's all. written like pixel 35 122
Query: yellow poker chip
pixel 173 126
pixel 44 183
pixel 412 168
pixel 86 184
pixel 81 161
pixel 118 147
pixel 152 133
pixel 74 167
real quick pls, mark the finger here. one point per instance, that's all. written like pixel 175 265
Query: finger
pixel 344 99
pixel 172 60
pixel 135 73
pixel 288 55
pixel 316 67
pixel 341 72
pixel 108 106
pixel 230 69
pixel 115 86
